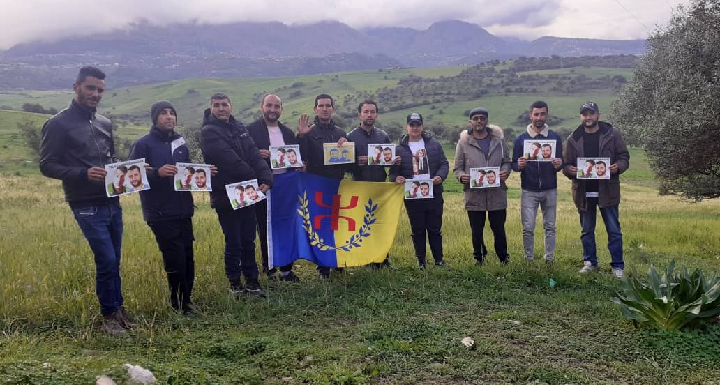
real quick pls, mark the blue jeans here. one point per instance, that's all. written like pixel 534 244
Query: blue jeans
pixel 611 217
pixel 103 228
pixel 239 229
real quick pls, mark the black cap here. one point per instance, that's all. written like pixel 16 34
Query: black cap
pixel 158 107
pixel 478 111
pixel 414 117
pixel 590 106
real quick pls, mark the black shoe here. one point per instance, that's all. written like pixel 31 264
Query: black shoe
pixel 479 262
pixel 236 288
pixel 125 319
pixel 252 288
pixel 422 265
pixel 505 260
pixel 271 276
pixel 289 277
pixel 440 263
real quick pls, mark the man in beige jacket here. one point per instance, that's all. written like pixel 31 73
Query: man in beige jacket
pixel 483 146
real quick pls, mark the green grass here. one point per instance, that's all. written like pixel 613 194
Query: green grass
pixel 363 327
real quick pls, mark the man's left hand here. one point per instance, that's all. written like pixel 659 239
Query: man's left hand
pixel 341 141
pixel 557 162
pixel 264 188
pixel 398 160
pixel 614 168
pixel 213 170
pixel 437 180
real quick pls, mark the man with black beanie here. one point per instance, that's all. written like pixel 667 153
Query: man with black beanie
pixel 168 212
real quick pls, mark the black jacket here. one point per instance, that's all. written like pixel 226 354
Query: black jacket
pixel 259 133
pixel 311 148
pixel 162 202
pixel 229 147
pixel 362 138
pixel 74 140
pixel 439 165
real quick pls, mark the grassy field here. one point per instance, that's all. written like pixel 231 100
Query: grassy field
pixel 363 327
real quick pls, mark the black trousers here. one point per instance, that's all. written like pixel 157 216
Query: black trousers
pixel 497 225
pixel 261 215
pixel 426 221
pixel 175 240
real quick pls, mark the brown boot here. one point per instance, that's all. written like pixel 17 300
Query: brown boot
pixel 111 325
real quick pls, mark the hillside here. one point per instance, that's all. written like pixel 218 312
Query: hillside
pixel 144 53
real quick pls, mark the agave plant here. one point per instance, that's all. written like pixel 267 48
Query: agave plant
pixel 675 300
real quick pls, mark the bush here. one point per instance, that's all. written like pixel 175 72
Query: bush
pixel 673 301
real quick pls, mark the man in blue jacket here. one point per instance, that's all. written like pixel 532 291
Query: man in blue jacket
pixel 76 145
pixel 226 143
pixel 168 212
pixel 538 181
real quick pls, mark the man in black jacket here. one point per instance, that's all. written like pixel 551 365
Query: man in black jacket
pixel 269 131
pixel 77 143
pixel 362 136
pixel 226 144
pixel 312 137
pixel 168 212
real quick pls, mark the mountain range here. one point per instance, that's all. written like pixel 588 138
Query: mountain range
pixel 147 53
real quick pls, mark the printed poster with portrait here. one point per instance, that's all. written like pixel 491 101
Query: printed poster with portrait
pixel 244 194
pixel 418 188
pixel 381 154
pixel 539 150
pixel 126 177
pixel 334 154
pixel 485 177
pixel 593 168
pixel 282 157
pixel 420 160
pixel 192 177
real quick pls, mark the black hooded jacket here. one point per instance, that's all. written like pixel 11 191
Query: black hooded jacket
pixel 311 148
pixel 229 147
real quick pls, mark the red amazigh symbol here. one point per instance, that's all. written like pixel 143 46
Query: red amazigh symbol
pixel 334 212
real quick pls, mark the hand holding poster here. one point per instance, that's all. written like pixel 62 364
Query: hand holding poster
pixel 593 168
pixel 244 194
pixel 126 177
pixel 285 156
pixel 485 177
pixel 539 150
pixel 418 188
pixel 381 154
pixel 334 154
pixel 192 177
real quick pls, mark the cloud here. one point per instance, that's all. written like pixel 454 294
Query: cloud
pixel 27 20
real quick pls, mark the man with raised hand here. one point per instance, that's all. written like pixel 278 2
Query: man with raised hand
pixel 265 132
pixel 226 143
pixel 312 137
pixel 363 135
pixel 167 212
pixel 538 181
pixel 76 145
pixel 597 139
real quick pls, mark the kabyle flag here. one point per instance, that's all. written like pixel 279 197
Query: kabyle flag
pixel 333 223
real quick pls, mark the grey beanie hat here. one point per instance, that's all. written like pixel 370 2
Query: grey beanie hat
pixel 158 107
pixel 478 111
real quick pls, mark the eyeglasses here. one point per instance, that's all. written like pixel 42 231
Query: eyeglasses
pixel 481 118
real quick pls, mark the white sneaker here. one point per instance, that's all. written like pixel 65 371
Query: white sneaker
pixel 587 268
pixel 618 273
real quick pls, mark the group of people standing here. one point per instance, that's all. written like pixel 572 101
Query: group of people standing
pixel 78 142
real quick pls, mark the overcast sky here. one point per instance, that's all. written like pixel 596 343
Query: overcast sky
pixel 26 20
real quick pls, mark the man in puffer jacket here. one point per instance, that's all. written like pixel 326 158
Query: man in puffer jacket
pixel 483 146
pixel 226 144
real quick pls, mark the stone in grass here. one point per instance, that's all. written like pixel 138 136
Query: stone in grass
pixel 140 375
pixel 104 380
pixel 468 342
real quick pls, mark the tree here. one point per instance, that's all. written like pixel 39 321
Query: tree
pixel 32 133
pixel 671 106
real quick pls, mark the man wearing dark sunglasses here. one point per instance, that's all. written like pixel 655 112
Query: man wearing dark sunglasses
pixel 483 146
